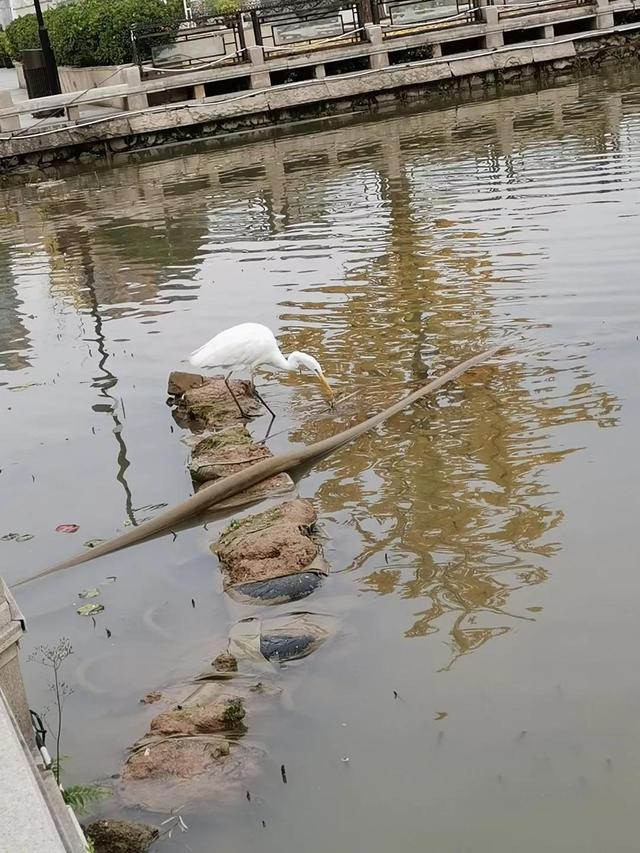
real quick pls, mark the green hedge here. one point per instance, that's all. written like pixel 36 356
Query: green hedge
pixel 5 55
pixel 94 32
pixel 221 7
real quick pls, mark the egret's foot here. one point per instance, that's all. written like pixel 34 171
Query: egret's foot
pixel 256 396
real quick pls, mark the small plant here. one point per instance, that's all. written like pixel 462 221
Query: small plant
pixel 53 657
pixel 221 7
pixel 234 712
pixel 82 797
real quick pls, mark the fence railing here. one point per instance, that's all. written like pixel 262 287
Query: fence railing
pixel 401 15
pixel 280 30
pixel 193 44
pixel 516 8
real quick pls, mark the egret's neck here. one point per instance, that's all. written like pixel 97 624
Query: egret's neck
pixel 281 363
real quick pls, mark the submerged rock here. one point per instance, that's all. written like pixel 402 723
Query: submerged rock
pixel 197 719
pixel 283 638
pixel 225 662
pixel 121 836
pixel 227 451
pixel 271 557
pixel 165 772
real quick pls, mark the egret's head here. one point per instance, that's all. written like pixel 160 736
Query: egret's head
pixel 300 360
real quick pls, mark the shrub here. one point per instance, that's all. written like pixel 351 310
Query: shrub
pixel 95 32
pixel 5 53
pixel 22 34
pixel 221 7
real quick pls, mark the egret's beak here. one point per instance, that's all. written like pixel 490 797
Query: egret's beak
pixel 326 387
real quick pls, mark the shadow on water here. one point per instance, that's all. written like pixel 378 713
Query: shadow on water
pixel 391 249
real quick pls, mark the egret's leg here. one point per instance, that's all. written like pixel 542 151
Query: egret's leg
pixel 235 399
pixel 260 400
pixel 254 393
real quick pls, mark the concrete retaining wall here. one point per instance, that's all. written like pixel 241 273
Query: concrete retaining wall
pixel 432 80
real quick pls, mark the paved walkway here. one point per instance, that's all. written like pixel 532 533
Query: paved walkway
pixel 8 79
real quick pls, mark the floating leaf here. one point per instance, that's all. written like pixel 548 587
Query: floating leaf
pixel 24 387
pixel 93 543
pixel 89 593
pixel 67 528
pixel 89 609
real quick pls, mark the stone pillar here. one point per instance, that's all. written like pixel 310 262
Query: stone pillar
pixel 131 76
pixel 319 72
pixel 11 123
pixel 198 92
pixel 489 16
pixel 379 59
pixel 11 630
pixel 260 78
pixel 548 32
pixel 604 15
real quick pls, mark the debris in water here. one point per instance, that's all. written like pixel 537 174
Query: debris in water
pixel 440 715
pixel 16 537
pixel 150 698
pixel 288 637
pixel 93 543
pixel 193 602
pixel 67 528
pixel 345 759
pixel 90 609
pixel 283 773
pixel 108 633
pixel 248 796
pixel 89 593
pixel 395 694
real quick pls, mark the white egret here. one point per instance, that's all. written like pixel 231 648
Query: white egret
pixel 252 345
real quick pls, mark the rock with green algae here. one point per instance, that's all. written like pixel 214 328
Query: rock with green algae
pixel 218 454
pixel 209 405
pixel 121 836
pixel 272 556
pixel 220 716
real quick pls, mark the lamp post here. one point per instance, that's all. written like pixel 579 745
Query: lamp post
pixel 50 64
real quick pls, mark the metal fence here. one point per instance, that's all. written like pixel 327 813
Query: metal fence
pixel 195 43
pixel 282 31
pixel 403 15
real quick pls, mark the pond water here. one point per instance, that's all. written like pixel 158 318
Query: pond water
pixel 484 681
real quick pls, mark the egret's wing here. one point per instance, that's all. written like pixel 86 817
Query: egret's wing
pixel 245 344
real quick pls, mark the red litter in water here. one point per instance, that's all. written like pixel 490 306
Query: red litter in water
pixel 67 528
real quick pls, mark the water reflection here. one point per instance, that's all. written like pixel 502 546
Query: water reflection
pixel 14 338
pixel 455 492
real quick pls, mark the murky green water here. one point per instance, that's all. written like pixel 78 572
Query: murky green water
pixel 484 545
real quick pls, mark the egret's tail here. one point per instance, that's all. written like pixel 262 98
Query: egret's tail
pixel 198 357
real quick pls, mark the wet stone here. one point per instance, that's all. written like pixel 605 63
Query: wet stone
pixel 225 662
pixel 194 720
pixel 179 382
pixel 218 454
pixel 164 771
pixel 121 836
pixel 209 405
pixel 274 549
